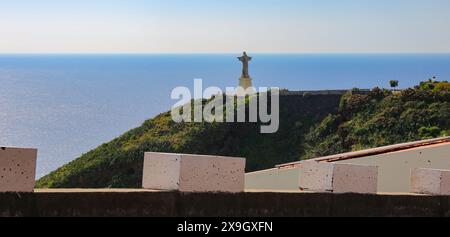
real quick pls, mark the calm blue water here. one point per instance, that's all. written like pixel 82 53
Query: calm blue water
pixel 65 105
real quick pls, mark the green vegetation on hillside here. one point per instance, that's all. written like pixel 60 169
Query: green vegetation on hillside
pixel 383 117
pixel 118 163
pixel 310 126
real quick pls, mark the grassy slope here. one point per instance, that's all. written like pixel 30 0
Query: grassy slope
pixel 383 118
pixel 310 126
pixel 118 163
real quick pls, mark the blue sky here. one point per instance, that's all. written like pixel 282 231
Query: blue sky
pixel 207 26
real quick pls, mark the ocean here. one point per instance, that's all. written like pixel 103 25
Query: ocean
pixel 65 105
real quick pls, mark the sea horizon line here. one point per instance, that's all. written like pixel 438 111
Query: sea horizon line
pixel 219 53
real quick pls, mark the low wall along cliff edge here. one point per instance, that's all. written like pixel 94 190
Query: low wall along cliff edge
pixel 248 204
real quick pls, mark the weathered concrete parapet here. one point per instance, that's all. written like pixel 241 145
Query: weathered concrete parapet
pixel 337 178
pixel 193 173
pixel 17 169
pixel 430 181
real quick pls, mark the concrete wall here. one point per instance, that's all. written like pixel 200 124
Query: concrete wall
pixel 394 168
pixel 273 179
pixel 172 204
pixel 323 92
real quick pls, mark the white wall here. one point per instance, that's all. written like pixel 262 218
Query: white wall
pixel 273 179
pixel 393 172
pixel 394 168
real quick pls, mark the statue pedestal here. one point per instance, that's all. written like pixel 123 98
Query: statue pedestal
pixel 245 82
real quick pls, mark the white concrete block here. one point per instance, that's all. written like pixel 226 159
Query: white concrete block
pixel 337 178
pixel 430 181
pixel 17 169
pixel 161 171
pixel 193 173
pixel 355 179
pixel 445 183
pixel 316 176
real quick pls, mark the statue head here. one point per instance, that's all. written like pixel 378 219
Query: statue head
pixel 245 53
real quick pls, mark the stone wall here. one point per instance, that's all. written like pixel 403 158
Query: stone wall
pixel 322 92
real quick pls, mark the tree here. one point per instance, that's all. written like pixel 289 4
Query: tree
pixel 393 83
